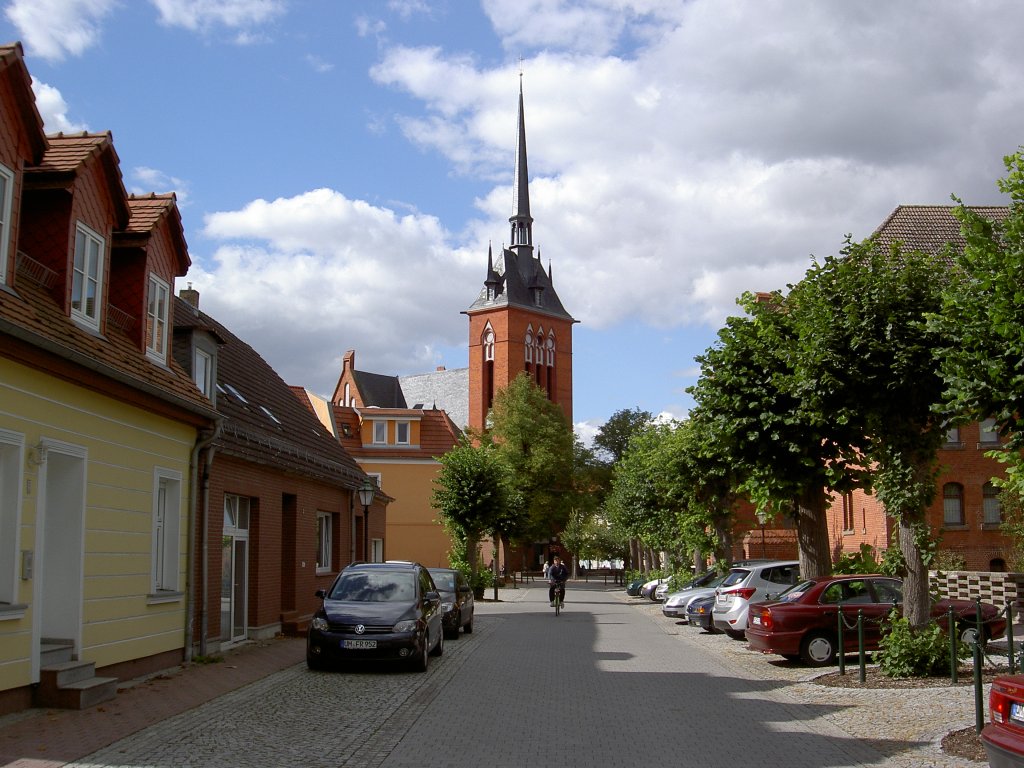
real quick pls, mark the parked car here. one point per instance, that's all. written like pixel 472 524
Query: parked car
pixel 1003 737
pixel 750 584
pixel 633 590
pixel 802 623
pixel 647 590
pixel 456 600
pixel 377 611
pixel 675 604
pixel 698 614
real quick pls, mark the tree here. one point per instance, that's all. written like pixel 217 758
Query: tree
pixel 471 497
pixel 866 361
pixel 536 445
pixel 613 437
pixel 982 315
pixel 755 418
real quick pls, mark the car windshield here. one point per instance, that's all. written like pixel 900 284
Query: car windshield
pixel 445 581
pixel 708 579
pixel 375 587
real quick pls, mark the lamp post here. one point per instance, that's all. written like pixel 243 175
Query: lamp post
pixel 366 494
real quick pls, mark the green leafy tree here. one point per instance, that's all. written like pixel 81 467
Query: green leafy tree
pixel 785 453
pixel 612 439
pixel 471 497
pixel 866 361
pixel 536 446
pixel 982 317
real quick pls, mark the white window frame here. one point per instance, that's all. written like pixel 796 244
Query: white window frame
pixel 12 449
pixel 399 425
pixel 953 505
pixel 166 545
pixel 324 532
pixel 6 202
pixel 202 375
pixel 991 509
pixel 157 307
pixel 987 433
pixel 380 425
pixel 83 277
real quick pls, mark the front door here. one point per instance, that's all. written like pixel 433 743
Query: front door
pixel 234 587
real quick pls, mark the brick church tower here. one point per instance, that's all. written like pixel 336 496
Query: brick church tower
pixel 517 323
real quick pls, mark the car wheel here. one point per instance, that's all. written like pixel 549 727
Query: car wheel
pixel 439 646
pixel 420 660
pixel 968 634
pixel 818 649
pixel 736 634
pixel 468 629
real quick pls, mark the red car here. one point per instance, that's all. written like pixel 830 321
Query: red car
pixel 1004 735
pixel 802 623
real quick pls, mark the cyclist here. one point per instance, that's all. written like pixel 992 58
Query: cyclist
pixel 558 574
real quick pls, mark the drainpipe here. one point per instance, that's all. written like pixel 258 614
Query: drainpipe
pixel 198 474
pixel 352 525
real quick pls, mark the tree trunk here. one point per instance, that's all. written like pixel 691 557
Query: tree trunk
pixel 812 534
pixel 699 563
pixel 916 603
pixel 723 539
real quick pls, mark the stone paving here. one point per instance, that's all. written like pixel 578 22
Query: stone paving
pixel 611 682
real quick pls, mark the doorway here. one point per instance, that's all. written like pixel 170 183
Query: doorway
pixel 234 587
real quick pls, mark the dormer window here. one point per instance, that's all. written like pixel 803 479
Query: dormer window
pixel 402 432
pixel 538 296
pixel 380 433
pixel 202 372
pixel 156 319
pixel 87 276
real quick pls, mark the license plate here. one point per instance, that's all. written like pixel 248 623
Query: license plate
pixel 364 644
pixel 755 619
pixel 1017 711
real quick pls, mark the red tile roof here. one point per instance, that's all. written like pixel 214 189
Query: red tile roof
pixel 438 433
pixel 929 228
pixel 12 67
pixel 146 213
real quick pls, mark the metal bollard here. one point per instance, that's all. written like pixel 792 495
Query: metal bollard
pixel 979 701
pixel 1012 657
pixel 842 644
pixel 860 644
pixel 954 648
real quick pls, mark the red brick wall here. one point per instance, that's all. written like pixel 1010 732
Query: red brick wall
pixel 266 489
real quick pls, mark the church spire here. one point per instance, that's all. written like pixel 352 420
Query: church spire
pixel 521 220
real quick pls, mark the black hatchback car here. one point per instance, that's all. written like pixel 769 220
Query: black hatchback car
pixel 377 611
pixel 456 600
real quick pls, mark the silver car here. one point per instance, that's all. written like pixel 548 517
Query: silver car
pixel 750 584
pixel 676 603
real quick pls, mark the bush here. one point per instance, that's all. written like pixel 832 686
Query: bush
pixel 905 651
pixel 862 562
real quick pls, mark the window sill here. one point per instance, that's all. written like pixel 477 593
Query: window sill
pixel 991 526
pixel 848 532
pixel 12 611
pixel 164 596
pixel 954 527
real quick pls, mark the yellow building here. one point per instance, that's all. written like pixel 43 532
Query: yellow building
pixel 97 422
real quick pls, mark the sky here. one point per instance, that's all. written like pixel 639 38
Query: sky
pixel 342 165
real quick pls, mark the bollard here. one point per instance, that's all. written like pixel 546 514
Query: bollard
pixel 842 644
pixel 860 644
pixel 979 701
pixel 1012 657
pixel 954 648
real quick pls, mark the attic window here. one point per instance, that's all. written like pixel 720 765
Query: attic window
pixel 87 276
pixel 346 430
pixel 271 415
pixel 236 393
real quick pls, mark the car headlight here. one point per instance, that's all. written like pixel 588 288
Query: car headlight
pixel 405 626
pixel 320 624
pixel 447 606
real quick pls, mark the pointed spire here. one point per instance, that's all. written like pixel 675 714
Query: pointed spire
pixel 521 220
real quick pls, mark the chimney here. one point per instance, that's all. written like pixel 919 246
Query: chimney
pixel 441 368
pixel 348 362
pixel 190 295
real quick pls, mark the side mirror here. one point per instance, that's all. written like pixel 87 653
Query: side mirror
pixel 432 597
pixel 465 588
pixel 321 593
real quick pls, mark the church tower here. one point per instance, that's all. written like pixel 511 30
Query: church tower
pixel 517 323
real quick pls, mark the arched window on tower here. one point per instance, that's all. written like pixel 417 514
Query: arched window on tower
pixel 538 356
pixel 528 343
pixel 551 366
pixel 487 342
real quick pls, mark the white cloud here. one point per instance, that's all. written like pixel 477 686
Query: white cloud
pixel 53 29
pixel 197 15
pixel 54 110
pixel 724 142
pixel 348 274
pixel 145 180
pixel 318 64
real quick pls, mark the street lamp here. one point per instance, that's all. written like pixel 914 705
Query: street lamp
pixel 366 494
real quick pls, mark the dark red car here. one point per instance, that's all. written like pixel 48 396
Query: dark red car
pixel 1004 735
pixel 802 623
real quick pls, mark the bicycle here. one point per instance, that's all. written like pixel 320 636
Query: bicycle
pixel 559 596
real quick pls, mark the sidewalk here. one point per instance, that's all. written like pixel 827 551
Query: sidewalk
pixel 47 738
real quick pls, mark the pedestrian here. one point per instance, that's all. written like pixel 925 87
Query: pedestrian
pixel 547 567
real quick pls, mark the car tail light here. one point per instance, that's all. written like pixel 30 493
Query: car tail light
pixel 745 592
pixel 998 705
pixel 766 619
